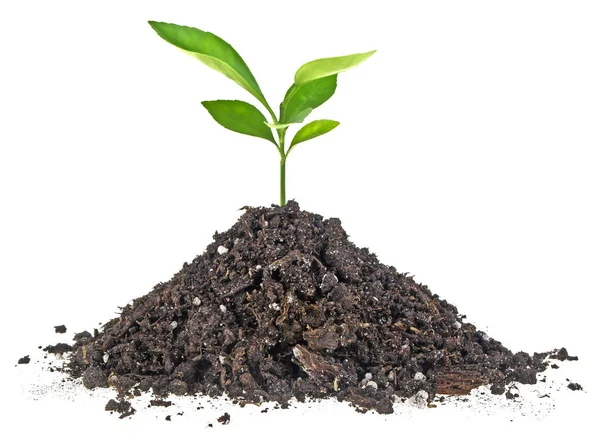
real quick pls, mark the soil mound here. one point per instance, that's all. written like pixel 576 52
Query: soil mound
pixel 283 305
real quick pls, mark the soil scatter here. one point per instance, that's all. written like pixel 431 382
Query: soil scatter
pixel 122 407
pixel 60 329
pixel 24 360
pixel 224 419
pixel 283 305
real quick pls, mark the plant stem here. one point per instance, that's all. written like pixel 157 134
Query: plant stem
pixel 282 200
pixel 282 181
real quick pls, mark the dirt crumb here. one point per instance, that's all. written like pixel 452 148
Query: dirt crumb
pixel 122 407
pixel 59 348
pixel 224 419
pixel 24 360
pixel 161 403
pixel 60 329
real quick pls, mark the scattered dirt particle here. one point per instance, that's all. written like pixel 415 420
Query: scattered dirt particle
pixel 497 389
pixel 24 360
pixel 160 402
pixel 574 386
pixel 224 419
pixel 562 355
pixel 122 407
pixel 168 418
pixel 59 348
pixel 60 329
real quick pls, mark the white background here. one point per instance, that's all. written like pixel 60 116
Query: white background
pixel 467 155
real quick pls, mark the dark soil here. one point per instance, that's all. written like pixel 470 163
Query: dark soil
pixel 283 305
pixel 60 329
pixel 24 360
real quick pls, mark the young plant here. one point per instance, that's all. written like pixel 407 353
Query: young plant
pixel 314 84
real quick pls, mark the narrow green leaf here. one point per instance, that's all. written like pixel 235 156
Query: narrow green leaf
pixel 239 117
pixel 213 51
pixel 300 100
pixel 312 130
pixel 324 67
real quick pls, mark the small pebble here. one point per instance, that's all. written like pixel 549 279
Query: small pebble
pixel 457 325
pixel 223 309
pixel 275 307
pixel 371 384
pixel 105 357
pixel 196 301
pixel 368 376
pixel 419 400
pixel 222 250
pixel 419 376
pixel 258 267
pixel 173 325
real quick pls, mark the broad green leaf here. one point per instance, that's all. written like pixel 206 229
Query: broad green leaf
pixel 300 100
pixel 312 130
pixel 213 51
pixel 324 67
pixel 240 117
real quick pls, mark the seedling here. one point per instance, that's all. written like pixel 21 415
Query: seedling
pixel 314 84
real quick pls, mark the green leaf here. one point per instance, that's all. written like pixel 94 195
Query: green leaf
pixel 239 117
pixel 300 100
pixel 312 130
pixel 213 51
pixel 324 67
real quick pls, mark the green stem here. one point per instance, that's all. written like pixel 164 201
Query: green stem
pixel 282 200
pixel 282 182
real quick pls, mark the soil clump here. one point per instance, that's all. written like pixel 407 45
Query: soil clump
pixel 284 305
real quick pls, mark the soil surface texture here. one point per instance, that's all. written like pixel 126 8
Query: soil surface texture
pixel 283 305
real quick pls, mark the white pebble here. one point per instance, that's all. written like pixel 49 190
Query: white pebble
pixel 223 309
pixel 419 376
pixel 222 359
pixel 419 400
pixel 258 267
pixel 196 301
pixel 457 325
pixel 173 325
pixel 368 376
pixel 236 241
pixel 275 307
pixel 372 384
pixel 105 357
pixel 222 250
